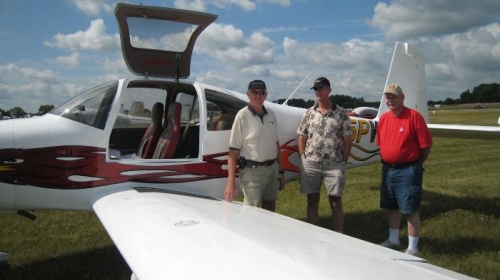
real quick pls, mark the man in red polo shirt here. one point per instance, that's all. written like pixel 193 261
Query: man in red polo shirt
pixel 405 143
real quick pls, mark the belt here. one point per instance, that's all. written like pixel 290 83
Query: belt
pixel 401 165
pixel 252 163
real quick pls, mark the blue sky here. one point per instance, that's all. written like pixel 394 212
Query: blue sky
pixel 53 51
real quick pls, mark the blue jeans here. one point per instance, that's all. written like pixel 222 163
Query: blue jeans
pixel 401 188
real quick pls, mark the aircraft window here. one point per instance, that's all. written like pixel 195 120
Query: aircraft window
pixel 90 107
pixel 136 104
pixel 221 110
pixel 148 33
pixel 190 109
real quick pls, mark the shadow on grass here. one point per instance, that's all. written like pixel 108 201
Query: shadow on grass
pixel 99 264
pixel 373 226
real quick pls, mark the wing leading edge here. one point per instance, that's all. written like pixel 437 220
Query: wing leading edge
pixel 171 236
pixel 465 131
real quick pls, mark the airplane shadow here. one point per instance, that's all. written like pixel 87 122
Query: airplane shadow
pixel 373 226
pixel 100 263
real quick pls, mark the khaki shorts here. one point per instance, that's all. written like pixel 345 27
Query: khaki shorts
pixel 259 183
pixel 312 175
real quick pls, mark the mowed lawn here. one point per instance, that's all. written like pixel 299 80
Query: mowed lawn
pixel 460 216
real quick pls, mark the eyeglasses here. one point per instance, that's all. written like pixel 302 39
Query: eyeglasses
pixel 318 88
pixel 260 92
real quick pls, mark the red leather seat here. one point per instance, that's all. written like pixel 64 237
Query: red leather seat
pixel 153 132
pixel 169 139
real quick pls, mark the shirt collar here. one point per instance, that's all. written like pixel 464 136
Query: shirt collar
pixel 334 107
pixel 253 111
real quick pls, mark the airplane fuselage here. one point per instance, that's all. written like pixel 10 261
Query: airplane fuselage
pixel 84 149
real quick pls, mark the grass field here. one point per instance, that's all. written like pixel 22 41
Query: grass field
pixel 460 216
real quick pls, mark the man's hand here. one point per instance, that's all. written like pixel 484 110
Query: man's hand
pixel 230 192
pixel 282 182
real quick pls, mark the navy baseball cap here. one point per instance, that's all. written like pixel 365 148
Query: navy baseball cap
pixel 257 84
pixel 321 82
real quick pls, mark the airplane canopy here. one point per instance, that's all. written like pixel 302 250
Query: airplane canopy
pixel 158 42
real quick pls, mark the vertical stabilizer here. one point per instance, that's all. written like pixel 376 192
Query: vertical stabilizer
pixel 408 70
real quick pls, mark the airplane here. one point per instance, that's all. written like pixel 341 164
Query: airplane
pixel 364 112
pixel 157 186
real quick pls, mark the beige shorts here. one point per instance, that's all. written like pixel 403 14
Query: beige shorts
pixel 259 183
pixel 312 175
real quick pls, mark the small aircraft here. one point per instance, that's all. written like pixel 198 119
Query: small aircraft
pixel 149 155
pixel 364 112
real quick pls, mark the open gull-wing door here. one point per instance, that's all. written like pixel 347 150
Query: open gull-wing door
pixel 157 41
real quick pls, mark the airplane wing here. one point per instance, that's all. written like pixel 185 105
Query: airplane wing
pixel 173 236
pixel 465 131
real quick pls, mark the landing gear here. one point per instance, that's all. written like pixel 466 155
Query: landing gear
pixel 4 257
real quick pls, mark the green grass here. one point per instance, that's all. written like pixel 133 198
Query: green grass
pixel 460 217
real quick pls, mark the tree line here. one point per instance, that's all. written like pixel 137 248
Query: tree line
pixel 483 93
pixel 18 112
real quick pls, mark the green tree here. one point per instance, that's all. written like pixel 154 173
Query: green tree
pixel 466 97
pixel 449 101
pixel 44 109
pixel 4 113
pixel 17 112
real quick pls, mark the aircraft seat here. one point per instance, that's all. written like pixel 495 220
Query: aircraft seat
pixel 225 122
pixel 153 132
pixel 170 136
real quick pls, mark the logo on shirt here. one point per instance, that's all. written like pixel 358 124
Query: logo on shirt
pixel 271 122
pixel 401 129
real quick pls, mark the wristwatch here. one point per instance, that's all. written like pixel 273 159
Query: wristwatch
pixel 282 172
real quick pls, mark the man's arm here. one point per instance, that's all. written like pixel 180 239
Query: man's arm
pixel 302 143
pixel 282 172
pixel 425 153
pixel 347 147
pixel 232 161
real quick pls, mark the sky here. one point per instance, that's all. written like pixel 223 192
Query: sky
pixel 51 51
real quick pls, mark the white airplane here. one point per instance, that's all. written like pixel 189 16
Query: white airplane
pixel 158 190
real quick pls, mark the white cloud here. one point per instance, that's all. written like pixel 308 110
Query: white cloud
pixel 410 19
pixel 196 5
pixel 228 45
pixel 93 7
pixel 94 39
pixel 71 61
pixel 245 5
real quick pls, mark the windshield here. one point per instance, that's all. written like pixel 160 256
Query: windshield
pixel 90 107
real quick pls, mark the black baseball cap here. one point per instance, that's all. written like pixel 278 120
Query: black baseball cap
pixel 257 84
pixel 321 82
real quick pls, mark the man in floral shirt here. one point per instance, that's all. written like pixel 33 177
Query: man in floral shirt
pixel 324 146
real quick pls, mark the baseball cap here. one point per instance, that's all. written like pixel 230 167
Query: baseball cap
pixel 321 82
pixel 257 84
pixel 393 89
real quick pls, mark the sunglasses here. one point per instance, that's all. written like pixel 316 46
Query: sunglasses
pixel 318 88
pixel 260 92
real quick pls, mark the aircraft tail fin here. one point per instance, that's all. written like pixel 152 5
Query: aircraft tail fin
pixel 408 71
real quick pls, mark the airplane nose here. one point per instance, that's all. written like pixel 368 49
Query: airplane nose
pixel 7 134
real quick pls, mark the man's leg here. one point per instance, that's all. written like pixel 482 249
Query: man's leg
pixel 269 205
pixel 312 208
pixel 337 213
pixel 394 219
pixel 413 231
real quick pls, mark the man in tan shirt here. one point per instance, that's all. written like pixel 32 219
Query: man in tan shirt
pixel 254 146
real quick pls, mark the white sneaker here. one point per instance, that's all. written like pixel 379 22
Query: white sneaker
pixel 411 252
pixel 390 245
